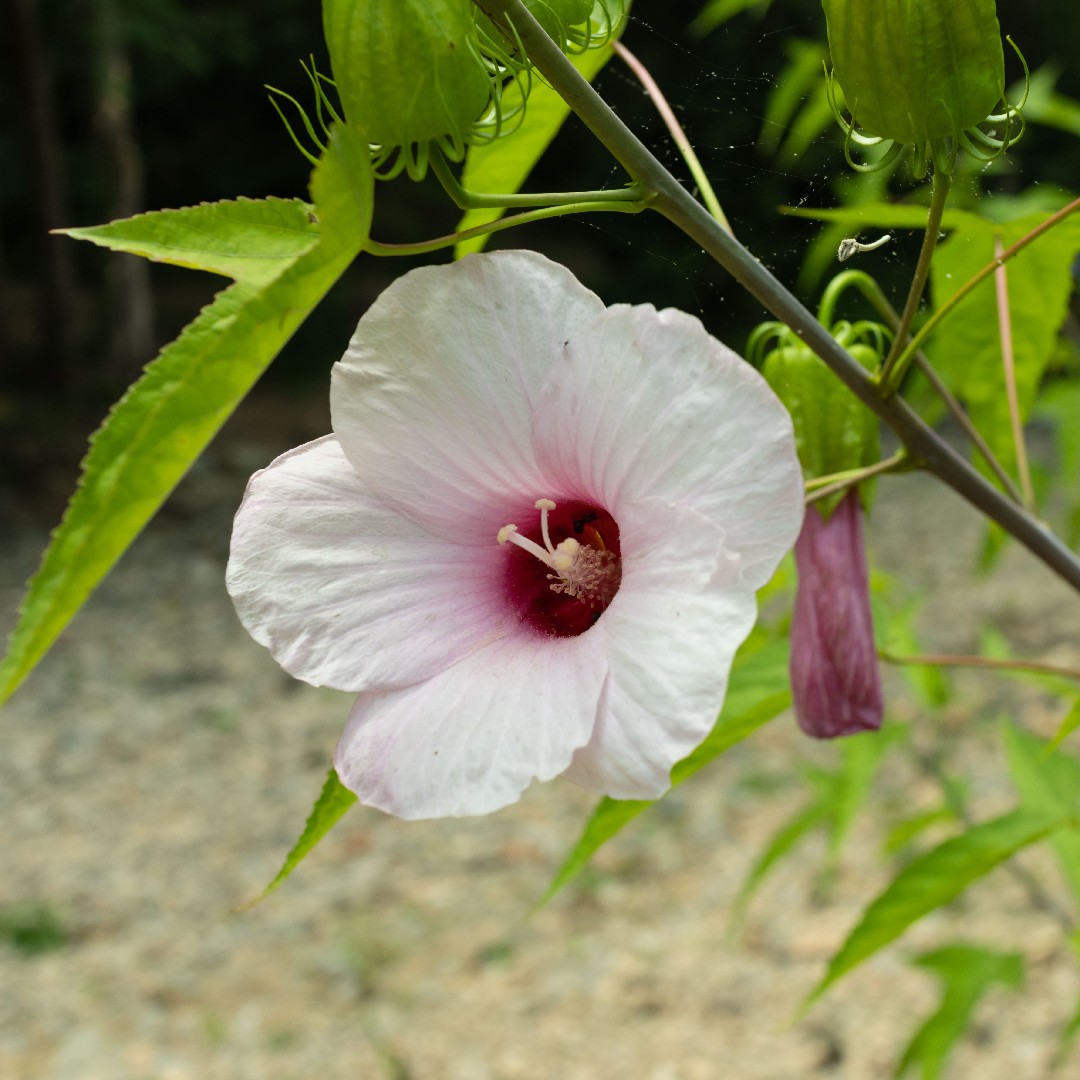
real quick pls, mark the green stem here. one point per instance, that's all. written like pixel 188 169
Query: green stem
pixel 824 486
pixel 476 200
pixel 422 247
pixel 949 305
pixel 893 371
pixel 671 200
pixel 682 143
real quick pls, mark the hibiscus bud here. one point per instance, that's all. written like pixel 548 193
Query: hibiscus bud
pixel 916 70
pixel 835 681
pixel 834 431
pixel 407 71
pixel 833 668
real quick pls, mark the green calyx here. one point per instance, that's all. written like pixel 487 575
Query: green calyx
pixel 409 72
pixel 577 25
pixel 574 25
pixel 834 432
pixel 921 73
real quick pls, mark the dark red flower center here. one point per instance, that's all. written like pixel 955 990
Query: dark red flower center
pixel 561 583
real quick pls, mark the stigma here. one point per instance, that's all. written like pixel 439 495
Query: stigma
pixel 587 571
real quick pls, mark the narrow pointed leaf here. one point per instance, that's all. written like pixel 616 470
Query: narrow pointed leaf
pixel 861 757
pixel 783 841
pixel 966 973
pixel 165 420
pixel 1068 725
pixel 883 215
pixel 329 807
pixel 250 240
pixel 1050 784
pixel 933 880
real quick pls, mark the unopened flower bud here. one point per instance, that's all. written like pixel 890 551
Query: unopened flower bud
pixel 834 431
pixel 407 71
pixel 916 70
pixel 925 74
pixel 835 682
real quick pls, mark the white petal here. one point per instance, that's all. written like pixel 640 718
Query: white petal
pixel 672 632
pixel 645 403
pixel 433 400
pixel 471 739
pixel 347 593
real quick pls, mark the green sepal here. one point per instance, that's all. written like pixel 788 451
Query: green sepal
pixel 916 70
pixel 407 71
pixel 834 431
pixel 556 15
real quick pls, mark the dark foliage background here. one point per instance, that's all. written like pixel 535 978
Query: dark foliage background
pixel 114 106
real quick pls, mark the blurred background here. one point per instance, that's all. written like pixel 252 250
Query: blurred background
pixel 158 765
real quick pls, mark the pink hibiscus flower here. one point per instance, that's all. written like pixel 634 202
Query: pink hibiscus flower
pixel 531 544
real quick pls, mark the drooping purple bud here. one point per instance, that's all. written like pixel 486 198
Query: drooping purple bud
pixel 834 671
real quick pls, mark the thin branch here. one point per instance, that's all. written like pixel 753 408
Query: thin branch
pixel 962 418
pixel 422 247
pixel 1038 667
pixel 682 143
pixel 1008 363
pixel 944 309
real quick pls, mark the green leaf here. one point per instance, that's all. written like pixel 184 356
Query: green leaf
pixel 717 12
pixel 331 804
pixel 163 423
pixel 966 973
pixel 1068 725
pixel 757 692
pixel 1045 105
pixel 861 756
pixel 1067 1039
pixel 966 348
pixel 1049 784
pixel 880 214
pixel 503 165
pixel 932 880
pixel 907 829
pixel 797 110
pixel 895 613
pixel 251 240
pixel 783 840
pixel 838 796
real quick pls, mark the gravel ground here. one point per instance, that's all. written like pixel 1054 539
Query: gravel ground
pixel 158 765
